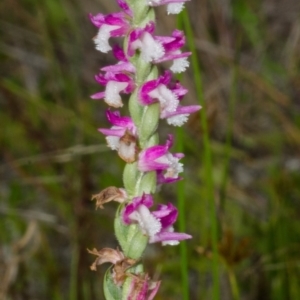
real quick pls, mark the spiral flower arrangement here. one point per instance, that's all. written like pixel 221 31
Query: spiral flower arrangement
pixel 149 164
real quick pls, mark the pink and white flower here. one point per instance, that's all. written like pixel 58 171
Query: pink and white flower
pixel 181 114
pixel 121 136
pixel 114 83
pixel 157 91
pixel 158 158
pixel 142 49
pixel 157 225
pixel 142 39
pixel 111 25
pixel 172 47
pixel 169 97
pixel 117 78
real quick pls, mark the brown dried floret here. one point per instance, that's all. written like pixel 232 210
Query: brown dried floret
pixel 111 193
pixel 115 257
pixel 128 148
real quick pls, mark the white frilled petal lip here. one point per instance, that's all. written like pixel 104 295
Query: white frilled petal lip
pixel 145 200
pixel 173 6
pixel 114 83
pixel 178 120
pixel 112 93
pixel 148 223
pixel 102 37
pixel 138 212
pixel 168 100
pixel 143 39
pixel 149 47
pixel 180 116
pixel 179 65
pixel 163 2
pixel 174 166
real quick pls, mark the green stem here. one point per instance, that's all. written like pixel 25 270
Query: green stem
pixel 181 203
pixel 207 156
pixel 233 284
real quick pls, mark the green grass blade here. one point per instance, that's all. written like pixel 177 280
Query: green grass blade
pixel 181 203
pixel 207 155
pixel 182 223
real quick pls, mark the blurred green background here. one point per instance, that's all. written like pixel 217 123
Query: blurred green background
pixel 242 152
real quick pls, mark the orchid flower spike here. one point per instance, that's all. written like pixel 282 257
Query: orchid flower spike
pixel 136 140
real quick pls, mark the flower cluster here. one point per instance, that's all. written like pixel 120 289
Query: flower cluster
pixel 151 97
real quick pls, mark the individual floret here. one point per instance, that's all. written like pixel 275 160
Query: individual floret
pixel 158 158
pixel 121 136
pixel 157 225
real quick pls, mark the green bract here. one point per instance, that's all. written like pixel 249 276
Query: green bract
pixel 149 124
pixel 147 184
pixel 130 178
pixel 127 286
pixel 131 238
pixel 143 14
pixel 111 291
pixel 135 108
